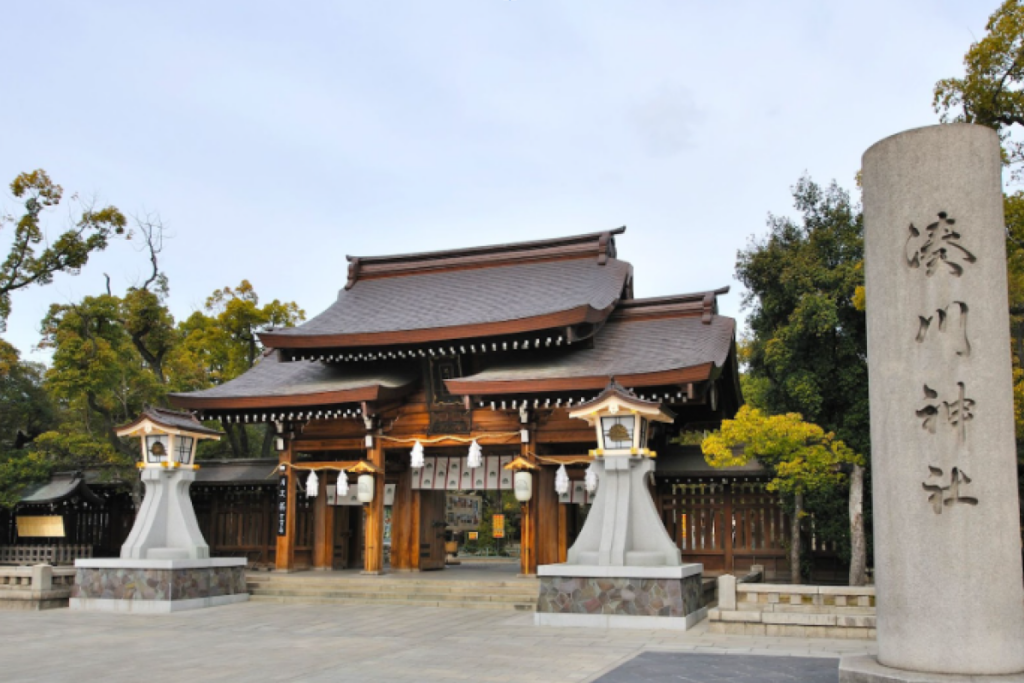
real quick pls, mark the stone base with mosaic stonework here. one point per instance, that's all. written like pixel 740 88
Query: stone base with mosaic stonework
pixel 157 586
pixel 620 597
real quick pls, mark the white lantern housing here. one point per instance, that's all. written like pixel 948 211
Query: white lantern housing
pixel 364 488
pixel 523 485
pixel 622 421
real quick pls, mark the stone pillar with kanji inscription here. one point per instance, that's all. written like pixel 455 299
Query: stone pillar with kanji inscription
pixel 947 547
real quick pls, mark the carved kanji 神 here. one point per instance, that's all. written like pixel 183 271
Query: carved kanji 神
pixel 955 413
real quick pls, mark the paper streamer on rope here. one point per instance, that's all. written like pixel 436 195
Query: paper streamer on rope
pixel 417 455
pixel 591 479
pixel 562 481
pixel 343 483
pixel 475 458
pixel 312 485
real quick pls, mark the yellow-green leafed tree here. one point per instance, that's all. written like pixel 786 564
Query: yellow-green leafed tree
pixel 800 455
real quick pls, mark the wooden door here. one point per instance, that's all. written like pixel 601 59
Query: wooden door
pixel 347 537
pixel 432 554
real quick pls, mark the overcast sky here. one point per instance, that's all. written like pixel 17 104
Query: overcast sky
pixel 275 138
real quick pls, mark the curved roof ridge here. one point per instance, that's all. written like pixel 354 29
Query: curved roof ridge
pixel 596 244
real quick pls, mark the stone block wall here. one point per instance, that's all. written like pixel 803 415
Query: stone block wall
pixel 158 584
pixel 788 610
pixel 620 596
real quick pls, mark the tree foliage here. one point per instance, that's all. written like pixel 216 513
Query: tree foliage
pixel 990 92
pixel 806 352
pixel 801 456
pixel 26 264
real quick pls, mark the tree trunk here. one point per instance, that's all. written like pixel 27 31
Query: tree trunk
pixel 268 441
pixel 236 445
pixel 858 542
pixel 794 541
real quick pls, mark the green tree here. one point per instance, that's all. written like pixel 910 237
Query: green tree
pixel 223 342
pixel 991 93
pixel 25 266
pixel 801 457
pixel 807 349
pixel 26 412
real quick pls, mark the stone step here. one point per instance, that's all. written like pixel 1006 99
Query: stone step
pixel 380 595
pixel 395 587
pixel 379 581
pixel 375 600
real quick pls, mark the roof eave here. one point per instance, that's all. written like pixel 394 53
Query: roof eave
pixel 469 387
pixel 375 392
pixel 573 316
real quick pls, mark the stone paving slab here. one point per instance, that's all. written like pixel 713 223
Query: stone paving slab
pixel 256 642
pixel 661 667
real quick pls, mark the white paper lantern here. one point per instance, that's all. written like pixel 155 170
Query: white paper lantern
pixel 312 485
pixel 562 481
pixel 476 458
pixel 591 479
pixel 523 486
pixel 364 488
pixel 417 455
pixel 342 484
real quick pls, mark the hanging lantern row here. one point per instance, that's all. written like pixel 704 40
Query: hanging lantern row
pixel 364 483
pixel 540 403
pixel 440 351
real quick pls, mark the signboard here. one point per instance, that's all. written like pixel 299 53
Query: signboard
pixel 50 526
pixel 463 513
pixel 499 526
pixel 282 505
pixel 473 536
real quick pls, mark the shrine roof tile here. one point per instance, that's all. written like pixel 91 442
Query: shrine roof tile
pixel 272 382
pixel 639 352
pixel 463 303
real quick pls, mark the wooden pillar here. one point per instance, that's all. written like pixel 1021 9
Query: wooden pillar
pixel 285 558
pixel 563 532
pixel 404 532
pixel 528 525
pixel 323 528
pixel 373 562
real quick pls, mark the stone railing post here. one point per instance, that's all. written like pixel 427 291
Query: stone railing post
pixel 42 577
pixel 727 592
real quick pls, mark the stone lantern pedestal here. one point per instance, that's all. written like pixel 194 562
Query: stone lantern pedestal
pixel 165 565
pixel 624 570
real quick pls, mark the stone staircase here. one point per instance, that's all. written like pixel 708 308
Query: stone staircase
pixel 511 594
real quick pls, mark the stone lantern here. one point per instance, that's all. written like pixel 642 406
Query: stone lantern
pixel 165 564
pixel 166 526
pixel 623 543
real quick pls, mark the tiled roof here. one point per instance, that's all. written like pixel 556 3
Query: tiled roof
pixel 273 382
pixel 504 289
pixel 469 297
pixel 177 420
pixel 623 349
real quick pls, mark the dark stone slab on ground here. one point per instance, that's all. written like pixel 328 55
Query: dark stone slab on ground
pixel 688 667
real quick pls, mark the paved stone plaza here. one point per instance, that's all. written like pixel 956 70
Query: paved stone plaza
pixel 293 642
